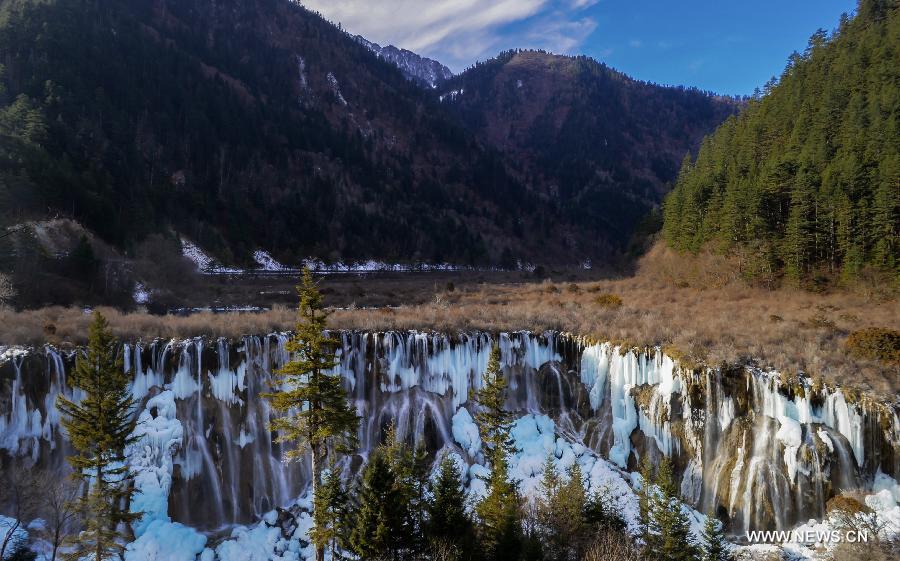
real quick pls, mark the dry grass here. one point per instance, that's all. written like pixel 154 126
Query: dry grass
pixel 62 326
pixel 702 317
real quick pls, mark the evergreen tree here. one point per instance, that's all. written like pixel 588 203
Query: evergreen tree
pixel 668 524
pixel 410 471
pixel 499 512
pixel 644 496
pixel 331 504
pixel 571 524
pixel 317 415
pixel 600 514
pixel 548 508
pixel 800 229
pixel 806 177
pixel 714 546
pixel 492 417
pixel 99 428
pixel 381 515
pixel 448 520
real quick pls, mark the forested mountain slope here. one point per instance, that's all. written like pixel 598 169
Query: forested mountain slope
pixel 256 124
pixel 240 124
pixel 605 145
pixel 807 178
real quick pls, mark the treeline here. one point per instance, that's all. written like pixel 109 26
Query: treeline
pixel 806 179
pixel 396 510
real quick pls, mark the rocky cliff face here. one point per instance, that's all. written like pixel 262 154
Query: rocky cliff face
pixel 762 453
pixel 422 70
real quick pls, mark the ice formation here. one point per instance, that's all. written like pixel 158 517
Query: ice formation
pixel 742 441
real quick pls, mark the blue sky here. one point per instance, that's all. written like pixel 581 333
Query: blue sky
pixel 726 47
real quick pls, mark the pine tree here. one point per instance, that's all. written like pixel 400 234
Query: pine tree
pixel 714 546
pixel 448 520
pixel 381 513
pixel 799 230
pixel 410 471
pixel 807 175
pixel 644 496
pixel 317 415
pixel 331 504
pixel 99 428
pixel 548 508
pixel 601 514
pixel 499 513
pixel 571 523
pixel 672 539
pixel 492 417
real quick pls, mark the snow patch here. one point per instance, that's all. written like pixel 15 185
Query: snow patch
pixel 140 294
pixel 204 263
pixel 465 432
pixel 336 89
pixel 267 262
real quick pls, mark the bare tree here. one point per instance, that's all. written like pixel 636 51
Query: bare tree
pixel 59 502
pixel 21 488
pixel 865 535
pixel 613 545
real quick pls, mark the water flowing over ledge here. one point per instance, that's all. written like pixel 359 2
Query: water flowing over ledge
pixel 761 452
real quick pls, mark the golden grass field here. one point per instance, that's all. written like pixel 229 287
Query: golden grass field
pixel 701 312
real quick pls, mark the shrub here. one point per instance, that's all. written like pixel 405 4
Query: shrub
pixel 608 300
pixel 875 343
pixel 819 321
pixel 846 504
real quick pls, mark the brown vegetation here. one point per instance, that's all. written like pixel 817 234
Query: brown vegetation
pixel 703 317
pixel 875 343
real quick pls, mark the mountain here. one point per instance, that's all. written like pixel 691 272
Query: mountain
pixel 242 125
pixel 602 144
pixel 425 71
pixel 806 181
pixel 256 124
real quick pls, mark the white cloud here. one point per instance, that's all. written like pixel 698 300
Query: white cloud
pixel 459 32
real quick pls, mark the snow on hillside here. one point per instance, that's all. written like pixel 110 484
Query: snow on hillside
pixel 267 262
pixel 204 262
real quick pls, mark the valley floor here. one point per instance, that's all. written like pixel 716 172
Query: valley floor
pixel 697 316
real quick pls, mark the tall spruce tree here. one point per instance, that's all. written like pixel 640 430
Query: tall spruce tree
pixel 672 539
pixel 448 521
pixel 410 470
pixel 714 546
pixel 316 413
pixel 99 428
pixel 644 495
pixel 499 512
pixel 572 524
pixel 381 516
pixel 331 505
pixel 548 509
